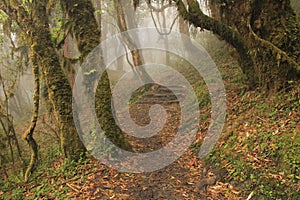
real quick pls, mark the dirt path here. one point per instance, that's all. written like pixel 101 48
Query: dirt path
pixel 184 179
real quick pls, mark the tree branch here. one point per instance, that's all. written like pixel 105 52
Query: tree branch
pixel 28 135
pixel 195 16
pixel 161 9
pixel 282 54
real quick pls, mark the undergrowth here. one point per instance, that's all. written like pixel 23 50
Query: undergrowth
pixel 259 150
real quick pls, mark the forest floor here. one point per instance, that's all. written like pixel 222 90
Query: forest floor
pixel 257 156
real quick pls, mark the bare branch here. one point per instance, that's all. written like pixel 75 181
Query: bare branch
pixel 161 9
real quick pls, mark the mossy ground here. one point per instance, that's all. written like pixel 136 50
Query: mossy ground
pixel 259 150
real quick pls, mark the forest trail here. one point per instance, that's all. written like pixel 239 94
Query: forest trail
pixel 250 124
pixel 183 179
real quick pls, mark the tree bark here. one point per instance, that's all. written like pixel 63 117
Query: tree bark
pixel 196 17
pixel 88 36
pixel 28 135
pixel 265 34
pixel 136 53
pixel 36 27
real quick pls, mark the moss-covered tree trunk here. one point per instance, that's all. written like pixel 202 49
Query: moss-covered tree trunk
pixel 196 17
pixel 59 90
pixel 36 28
pixel 272 34
pixel 265 34
pixel 28 135
pixel 88 36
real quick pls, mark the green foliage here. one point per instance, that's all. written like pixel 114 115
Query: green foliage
pixel 3 16
pixel 18 194
pixel 99 12
pixel 266 146
pixel 50 179
pixel 90 72
pixel 59 24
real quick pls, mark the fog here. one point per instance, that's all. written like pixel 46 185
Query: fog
pixel 20 103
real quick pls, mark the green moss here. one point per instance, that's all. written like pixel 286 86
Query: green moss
pixel 88 35
pixel 264 155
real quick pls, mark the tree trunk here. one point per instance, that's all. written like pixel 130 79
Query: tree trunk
pixel 88 37
pixel 137 56
pixel 264 33
pixel 59 90
pixel 28 135
pixel 36 28
pixel 271 33
pixel 196 17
